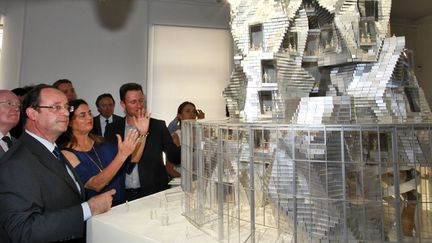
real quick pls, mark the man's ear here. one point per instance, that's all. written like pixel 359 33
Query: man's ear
pixel 31 113
pixel 122 103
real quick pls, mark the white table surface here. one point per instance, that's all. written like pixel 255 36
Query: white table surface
pixel 143 220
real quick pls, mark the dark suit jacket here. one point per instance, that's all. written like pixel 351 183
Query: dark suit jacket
pixel 152 172
pixel 96 124
pixel 39 201
pixel 2 152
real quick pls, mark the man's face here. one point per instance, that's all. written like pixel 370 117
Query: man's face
pixel 68 90
pixel 9 109
pixel 49 122
pixel 106 107
pixel 133 103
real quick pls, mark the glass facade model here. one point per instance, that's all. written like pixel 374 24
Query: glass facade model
pixel 329 137
pixel 327 183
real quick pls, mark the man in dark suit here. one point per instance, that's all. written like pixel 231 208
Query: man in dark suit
pixel 9 118
pixel 105 105
pixel 149 174
pixel 41 197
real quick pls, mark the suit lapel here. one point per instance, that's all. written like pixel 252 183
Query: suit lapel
pixel 47 159
pixel 68 164
pixel 96 125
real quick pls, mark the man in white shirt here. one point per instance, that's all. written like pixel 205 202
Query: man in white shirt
pixel 105 104
pixel 9 117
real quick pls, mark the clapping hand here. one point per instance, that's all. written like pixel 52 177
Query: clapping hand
pixel 126 147
pixel 142 121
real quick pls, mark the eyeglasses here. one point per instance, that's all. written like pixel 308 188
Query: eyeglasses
pixel 11 104
pixel 56 108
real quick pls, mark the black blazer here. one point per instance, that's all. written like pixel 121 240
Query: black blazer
pixel 151 170
pixel 39 201
pixel 96 124
pixel 2 152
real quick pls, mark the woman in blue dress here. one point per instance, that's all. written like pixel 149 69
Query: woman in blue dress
pixel 99 164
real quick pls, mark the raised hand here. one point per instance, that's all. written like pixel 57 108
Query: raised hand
pixel 127 146
pixel 142 121
pixel 200 114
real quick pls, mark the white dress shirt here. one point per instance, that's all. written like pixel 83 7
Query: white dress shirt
pixel 132 180
pixel 3 144
pixel 103 123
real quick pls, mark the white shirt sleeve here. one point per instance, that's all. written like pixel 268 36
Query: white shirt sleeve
pixel 86 210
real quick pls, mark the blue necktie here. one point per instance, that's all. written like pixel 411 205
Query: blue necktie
pixel 58 154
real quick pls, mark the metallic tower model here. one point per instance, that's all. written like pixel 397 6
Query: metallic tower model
pixel 329 137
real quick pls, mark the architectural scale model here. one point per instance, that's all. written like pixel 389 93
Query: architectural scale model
pixel 329 137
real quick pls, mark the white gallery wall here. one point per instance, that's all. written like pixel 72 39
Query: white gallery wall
pixel 196 68
pixel 99 45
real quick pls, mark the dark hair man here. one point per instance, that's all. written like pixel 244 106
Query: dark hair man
pixel 149 175
pixel 41 197
pixel 105 105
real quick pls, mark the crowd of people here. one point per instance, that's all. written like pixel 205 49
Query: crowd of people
pixel 60 165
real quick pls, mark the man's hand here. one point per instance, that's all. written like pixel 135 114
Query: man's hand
pixel 142 121
pixel 101 203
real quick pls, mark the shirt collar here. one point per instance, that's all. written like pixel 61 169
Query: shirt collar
pixel 103 119
pixel 4 135
pixel 50 146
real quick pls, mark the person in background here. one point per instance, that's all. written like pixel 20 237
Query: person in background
pixel 21 93
pixel 175 123
pixel 148 175
pixel 41 196
pixel 186 111
pixel 9 117
pixel 65 86
pixel 105 105
pixel 99 164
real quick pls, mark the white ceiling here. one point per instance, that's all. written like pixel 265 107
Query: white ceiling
pixel 411 9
